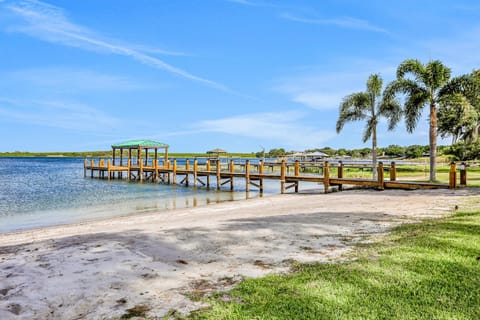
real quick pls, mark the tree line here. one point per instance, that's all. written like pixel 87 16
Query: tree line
pixel 453 106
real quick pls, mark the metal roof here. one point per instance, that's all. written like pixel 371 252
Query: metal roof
pixel 140 143
pixel 217 150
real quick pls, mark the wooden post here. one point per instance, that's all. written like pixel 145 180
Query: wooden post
pixel 463 174
pixel 108 169
pixel 187 167
pixel 247 175
pixel 155 168
pixel 195 169
pixel 219 177
pixel 140 171
pixel 129 164
pixel 139 154
pixel 113 156
pixel 381 185
pixel 232 170
pixel 85 167
pixel 260 172
pixel 174 171
pixel 453 176
pixel 283 170
pixel 208 174
pixel 326 176
pixel 121 164
pixel 297 174
pixel 393 171
pixel 340 174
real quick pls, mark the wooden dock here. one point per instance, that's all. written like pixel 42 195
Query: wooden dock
pixel 214 173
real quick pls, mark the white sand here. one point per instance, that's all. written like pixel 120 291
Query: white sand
pixel 100 269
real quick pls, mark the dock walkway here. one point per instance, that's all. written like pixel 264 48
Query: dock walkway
pixel 253 174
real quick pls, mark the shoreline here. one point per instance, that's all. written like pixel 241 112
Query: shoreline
pixel 101 268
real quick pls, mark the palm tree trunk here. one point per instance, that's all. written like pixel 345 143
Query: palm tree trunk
pixel 433 141
pixel 374 152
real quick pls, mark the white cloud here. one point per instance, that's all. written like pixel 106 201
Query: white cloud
pixel 61 79
pixel 324 89
pixel 343 22
pixel 50 23
pixel 148 49
pixel 321 92
pixel 284 128
pixel 58 114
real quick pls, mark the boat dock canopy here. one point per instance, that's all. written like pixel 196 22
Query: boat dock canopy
pixel 133 144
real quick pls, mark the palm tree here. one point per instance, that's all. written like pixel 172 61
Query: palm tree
pixel 369 106
pixel 430 84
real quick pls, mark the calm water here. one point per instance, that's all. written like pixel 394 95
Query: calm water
pixel 36 192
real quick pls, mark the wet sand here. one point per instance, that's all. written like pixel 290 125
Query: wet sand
pixel 100 269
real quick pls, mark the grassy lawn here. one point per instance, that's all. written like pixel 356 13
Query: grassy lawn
pixel 429 270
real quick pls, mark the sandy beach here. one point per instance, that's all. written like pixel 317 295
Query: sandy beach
pixel 100 269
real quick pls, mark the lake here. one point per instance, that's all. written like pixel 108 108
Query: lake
pixel 39 192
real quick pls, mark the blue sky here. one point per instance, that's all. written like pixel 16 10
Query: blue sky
pixel 201 74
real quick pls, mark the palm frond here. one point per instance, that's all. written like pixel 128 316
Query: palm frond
pixel 374 85
pixel 413 108
pixel 412 66
pixel 392 111
pixel 367 134
pixel 353 108
pixel 437 74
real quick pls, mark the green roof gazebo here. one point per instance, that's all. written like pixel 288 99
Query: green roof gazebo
pixel 139 146
pixel 217 152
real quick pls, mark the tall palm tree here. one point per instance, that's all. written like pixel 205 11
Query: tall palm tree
pixel 369 106
pixel 429 84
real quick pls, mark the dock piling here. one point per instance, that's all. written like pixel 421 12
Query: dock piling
pixel 381 179
pixel 393 171
pixel 326 176
pixel 453 176
pixel 283 169
pixel 247 175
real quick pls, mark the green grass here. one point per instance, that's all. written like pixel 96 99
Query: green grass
pixel 429 270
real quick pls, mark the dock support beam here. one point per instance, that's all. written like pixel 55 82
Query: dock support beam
pixel 297 174
pixel 393 171
pixel 232 171
pixel 247 175
pixel 260 172
pixel 340 174
pixel 174 171
pixel 381 185
pixel 187 167
pixel 195 170
pixel 283 170
pixel 463 174
pixel 326 176
pixel 453 176
pixel 208 170
pixel 219 177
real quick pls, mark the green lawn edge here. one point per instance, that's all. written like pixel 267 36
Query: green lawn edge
pixel 428 270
